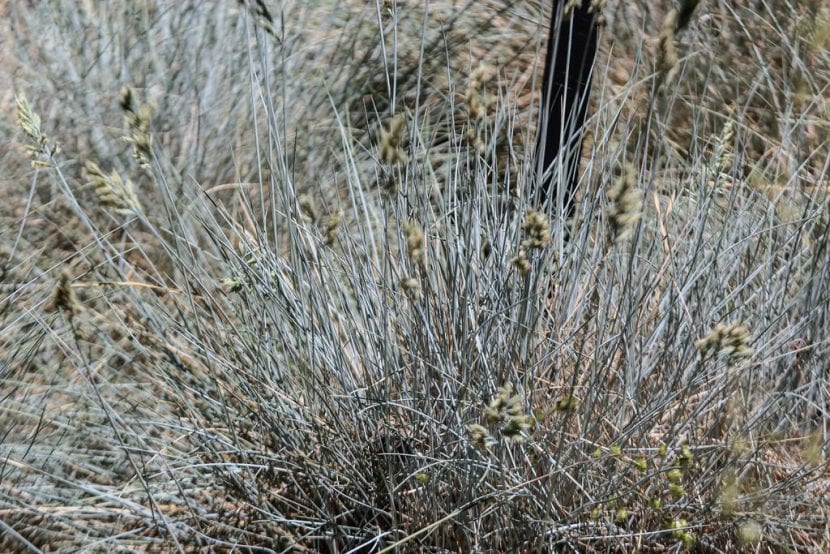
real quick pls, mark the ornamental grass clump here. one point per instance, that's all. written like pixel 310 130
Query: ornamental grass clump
pixel 273 354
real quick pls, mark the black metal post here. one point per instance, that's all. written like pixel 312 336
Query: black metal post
pixel 572 47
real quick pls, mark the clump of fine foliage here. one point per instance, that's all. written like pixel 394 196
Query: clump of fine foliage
pixel 273 280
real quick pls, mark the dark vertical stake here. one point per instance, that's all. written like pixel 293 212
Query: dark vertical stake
pixel 567 81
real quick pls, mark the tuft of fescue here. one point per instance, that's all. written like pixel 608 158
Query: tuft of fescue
pixel 278 355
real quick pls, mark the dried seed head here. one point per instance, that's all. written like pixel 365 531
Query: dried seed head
pixel 597 8
pixel 476 97
pixel 723 150
pixel 411 286
pixel 521 261
pixel 570 6
pixel 478 104
pixel 307 207
pixel 813 451
pixel 388 8
pixel 626 204
pixel 507 410
pixel 537 229
pixel 63 297
pixel 750 532
pixel 730 341
pixel 677 491
pixel 820 36
pixel 728 498
pixel 29 123
pixel 514 426
pixel 112 191
pixel 137 118
pixel 415 243
pixel 127 101
pixel 233 284
pixel 497 406
pixel 480 436
pixel 567 404
pixel 261 15
pixel 392 141
pixel 667 58
pixel 678 526
pixel 330 224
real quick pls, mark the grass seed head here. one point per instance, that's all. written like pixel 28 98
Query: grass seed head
pixel 415 243
pixel 570 6
pixel 667 58
pixel 730 341
pixel 677 491
pixel 411 286
pixel 29 122
pixel 63 297
pixel 567 404
pixel 392 142
pixel 137 118
pixel 626 204
pixel 480 436
pixel 113 192
pixel 521 261
pixel 597 7
pixel 728 497
pixel 750 532
pixel 330 225
pixel 478 102
pixel 537 229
